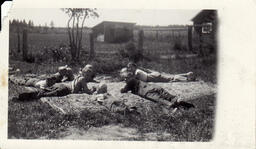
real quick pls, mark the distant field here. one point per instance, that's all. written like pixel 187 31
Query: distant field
pixel 162 45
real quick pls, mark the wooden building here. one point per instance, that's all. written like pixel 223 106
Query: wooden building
pixel 205 26
pixel 113 32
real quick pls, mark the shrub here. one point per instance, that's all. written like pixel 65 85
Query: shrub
pixel 30 58
pixel 179 46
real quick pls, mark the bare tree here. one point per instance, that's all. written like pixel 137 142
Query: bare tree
pixel 75 27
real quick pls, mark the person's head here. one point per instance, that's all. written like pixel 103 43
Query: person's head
pixel 50 81
pixel 88 72
pixel 63 69
pixel 131 67
pixel 126 75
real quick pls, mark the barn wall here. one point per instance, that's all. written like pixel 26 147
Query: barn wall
pixel 118 32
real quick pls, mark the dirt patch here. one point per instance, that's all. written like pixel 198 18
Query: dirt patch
pixel 75 103
pixel 111 132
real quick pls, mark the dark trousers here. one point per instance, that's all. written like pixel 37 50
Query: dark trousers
pixel 155 93
pixel 35 93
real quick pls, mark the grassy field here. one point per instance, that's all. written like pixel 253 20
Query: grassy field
pixel 34 119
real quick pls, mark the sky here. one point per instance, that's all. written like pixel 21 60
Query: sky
pixel 153 17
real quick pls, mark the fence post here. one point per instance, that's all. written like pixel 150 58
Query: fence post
pixel 92 53
pixel 25 45
pixel 157 36
pixel 18 36
pixel 140 41
pixel 190 38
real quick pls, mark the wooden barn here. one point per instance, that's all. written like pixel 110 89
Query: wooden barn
pixel 113 32
pixel 205 27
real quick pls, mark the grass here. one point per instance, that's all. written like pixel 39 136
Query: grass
pixel 34 119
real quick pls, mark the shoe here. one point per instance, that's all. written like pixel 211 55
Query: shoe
pixel 28 96
pixel 174 110
pixel 185 105
pixel 191 76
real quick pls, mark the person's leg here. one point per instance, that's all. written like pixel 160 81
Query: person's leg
pixel 157 77
pixel 29 93
pixel 185 77
pixel 158 94
pixel 18 80
pixel 60 90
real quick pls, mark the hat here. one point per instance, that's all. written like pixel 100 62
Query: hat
pixel 131 64
pixel 89 66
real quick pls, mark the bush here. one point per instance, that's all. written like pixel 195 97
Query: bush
pixel 179 46
pixel 30 58
pixel 108 66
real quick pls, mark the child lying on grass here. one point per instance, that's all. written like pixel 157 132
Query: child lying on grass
pixel 64 74
pixel 78 85
pixel 147 75
pixel 150 91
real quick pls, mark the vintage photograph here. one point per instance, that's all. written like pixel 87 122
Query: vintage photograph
pixel 113 74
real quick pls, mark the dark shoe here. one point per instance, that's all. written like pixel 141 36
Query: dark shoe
pixel 185 105
pixel 191 76
pixel 28 96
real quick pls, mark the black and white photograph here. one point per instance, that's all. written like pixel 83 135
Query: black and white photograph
pixel 112 74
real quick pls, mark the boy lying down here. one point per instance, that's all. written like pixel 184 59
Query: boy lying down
pixel 147 75
pixel 64 74
pixel 150 91
pixel 78 85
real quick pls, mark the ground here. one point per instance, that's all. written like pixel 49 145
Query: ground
pixel 80 116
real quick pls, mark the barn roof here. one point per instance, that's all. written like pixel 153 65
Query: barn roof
pixel 113 22
pixel 209 14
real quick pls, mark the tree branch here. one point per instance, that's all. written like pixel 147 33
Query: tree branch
pixel 69 33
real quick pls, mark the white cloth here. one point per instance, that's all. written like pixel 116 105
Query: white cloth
pixel 41 84
pixel 141 75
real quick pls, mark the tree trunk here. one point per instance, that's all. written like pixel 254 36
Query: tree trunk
pixel 25 45
pixel 73 51
pixel 92 53
pixel 140 42
pixel 190 38
pixel 78 52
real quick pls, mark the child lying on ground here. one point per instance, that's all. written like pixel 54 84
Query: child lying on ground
pixel 64 74
pixel 33 82
pixel 78 85
pixel 153 76
pixel 89 66
pixel 150 91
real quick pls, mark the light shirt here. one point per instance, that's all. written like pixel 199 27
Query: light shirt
pixel 141 75
pixel 41 84
pixel 78 85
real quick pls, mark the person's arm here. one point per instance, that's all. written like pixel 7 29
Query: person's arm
pixel 64 79
pixel 125 89
pixel 130 85
pixel 148 70
pixel 95 81
pixel 86 90
pixel 70 77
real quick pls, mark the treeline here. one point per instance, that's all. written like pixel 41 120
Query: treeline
pixel 19 25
